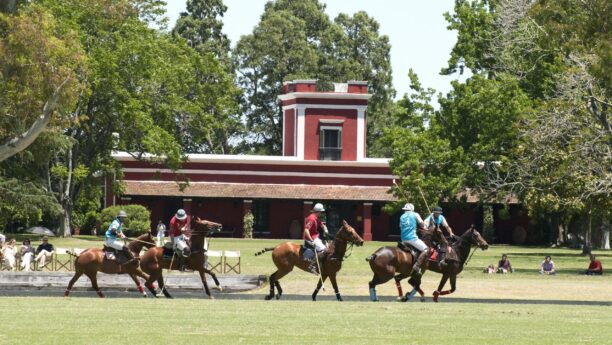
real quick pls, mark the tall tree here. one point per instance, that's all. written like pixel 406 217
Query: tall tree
pixel 296 39
pixel 202 26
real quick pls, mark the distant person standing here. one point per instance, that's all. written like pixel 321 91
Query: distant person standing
pixel 161 232
pixel 595 268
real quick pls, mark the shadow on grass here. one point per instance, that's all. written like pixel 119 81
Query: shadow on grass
pixel 323 297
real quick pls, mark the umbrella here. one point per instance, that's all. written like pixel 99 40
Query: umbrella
pixel 40 230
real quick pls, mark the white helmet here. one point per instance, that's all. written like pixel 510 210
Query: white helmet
pixel 181 214
pixel 318 207
pixel 408 207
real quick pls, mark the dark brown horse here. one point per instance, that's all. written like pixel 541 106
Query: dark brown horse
pixel 392 262
pixel 91 261
pixel 153 262
pixel 288 255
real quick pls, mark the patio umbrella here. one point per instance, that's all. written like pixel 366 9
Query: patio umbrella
pixel 40 230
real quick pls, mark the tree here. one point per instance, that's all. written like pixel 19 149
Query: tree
pixel 201 26
pixel 297 40
pixel 38 76
pixel 430 169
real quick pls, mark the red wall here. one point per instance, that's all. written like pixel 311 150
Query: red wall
pixel 290 131
pixel 281 215
pixel 225 211
pixel 349 132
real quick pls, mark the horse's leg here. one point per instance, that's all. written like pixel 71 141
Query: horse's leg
pixel 453 282
pixel 214 277
pixel 372 285
pixel 160 282
pixel 398 284
pixel 76 277
pixel 149 284
pixel 319 285
pixel 438 292
pixel 94 282
pixel 134 277
pixel 203 277
pixel 272 281
pixel 332 278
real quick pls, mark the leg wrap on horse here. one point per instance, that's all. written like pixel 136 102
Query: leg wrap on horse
pixel 373 296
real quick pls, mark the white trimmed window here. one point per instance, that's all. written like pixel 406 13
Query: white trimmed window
pixel 330 143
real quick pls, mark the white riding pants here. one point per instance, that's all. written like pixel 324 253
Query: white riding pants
pixel 113 243
pixel 418 244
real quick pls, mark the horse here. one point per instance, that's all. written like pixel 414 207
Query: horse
pixel 153 261
pixel 387 261
pixel 288 255
pixel 393 262
pixel 92 260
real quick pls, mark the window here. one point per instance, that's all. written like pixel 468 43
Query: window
pixel 330 145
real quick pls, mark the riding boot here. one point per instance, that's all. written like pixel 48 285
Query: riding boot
pixel 442 256
pixel 129 255
pixel 312 266
pixel 421 264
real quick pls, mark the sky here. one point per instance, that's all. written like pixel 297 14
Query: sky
pixel 416 29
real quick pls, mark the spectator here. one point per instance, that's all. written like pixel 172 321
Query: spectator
pixel 504 265
pixel 489 269
pixel 44 252
pixel 547 266
pixel 2 239
pixel 27 253
pixel 8 252
pixel 595 267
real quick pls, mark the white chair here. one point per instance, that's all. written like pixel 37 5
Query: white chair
pixel 216 264
pixel 233 266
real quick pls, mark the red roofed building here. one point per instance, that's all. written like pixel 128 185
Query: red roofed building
pixel 324 160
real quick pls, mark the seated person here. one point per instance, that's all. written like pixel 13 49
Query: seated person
pixel 595 267
pixel 504 266
pixel 547 266
pixel 27 253
pixel 44 252
pixel 8 253
pixel 489 269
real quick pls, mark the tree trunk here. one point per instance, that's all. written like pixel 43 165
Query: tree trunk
pixel 21 142
pixel 605 235
pixel 65 221
pixel 587 235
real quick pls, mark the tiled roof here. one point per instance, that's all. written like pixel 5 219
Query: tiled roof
pixel 257 191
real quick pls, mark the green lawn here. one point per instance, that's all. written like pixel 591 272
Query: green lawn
pixel 198 321
pixel 532 308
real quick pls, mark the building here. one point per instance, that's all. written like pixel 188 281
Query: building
pixel 324 160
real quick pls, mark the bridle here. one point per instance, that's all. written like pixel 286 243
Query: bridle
pixel 350 240
pixel 470 243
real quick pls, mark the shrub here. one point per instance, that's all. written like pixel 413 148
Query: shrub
pixel 137 222
pixel 249 221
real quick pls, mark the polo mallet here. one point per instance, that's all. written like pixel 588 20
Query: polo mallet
pixel 400 190
pixel 319 268
pixel 168 272
pixel 425 200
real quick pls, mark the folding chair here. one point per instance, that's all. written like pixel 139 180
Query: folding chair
pixel 229 267
pixel 215 265
pixel 65 261
pixel 49 265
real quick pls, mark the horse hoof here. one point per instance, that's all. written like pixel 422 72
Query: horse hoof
pixel 219 288
pixel 278 296
pixel 268 297
pixel 422 299
pixel 211 297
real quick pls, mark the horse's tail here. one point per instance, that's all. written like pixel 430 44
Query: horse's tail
pixel 371 257
pixel 72 253
pixel 264 250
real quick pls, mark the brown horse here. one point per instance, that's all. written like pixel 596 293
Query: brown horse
pixel 392 262
pixel 153 261
pixel 288 255
pixel 91 261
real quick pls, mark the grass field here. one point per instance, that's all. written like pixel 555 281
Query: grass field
pixel 518 308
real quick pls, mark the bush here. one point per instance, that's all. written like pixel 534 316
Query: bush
pixel 248 221
pixel 137 222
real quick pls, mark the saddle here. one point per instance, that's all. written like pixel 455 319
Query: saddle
pixel 408 248
pixel 113 254
pixel 450 254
